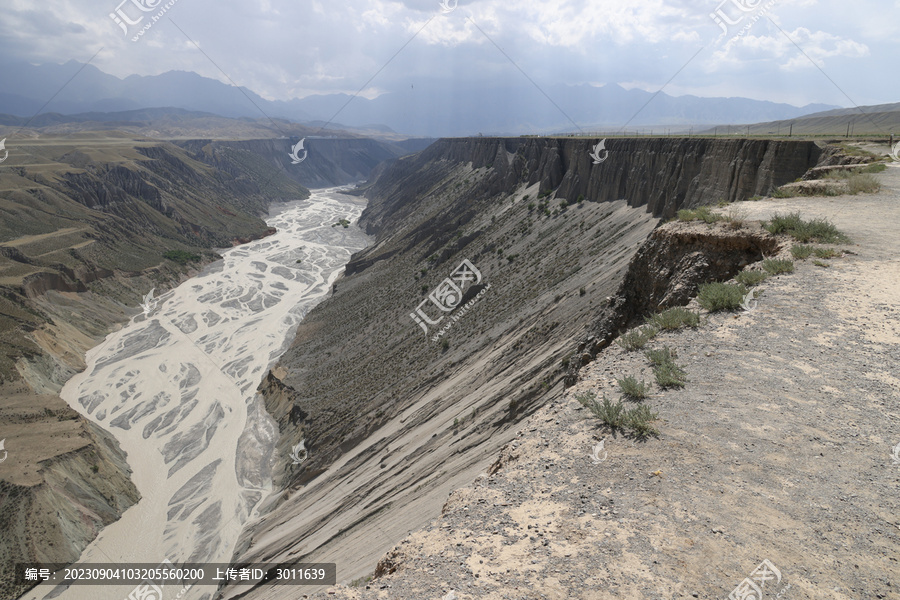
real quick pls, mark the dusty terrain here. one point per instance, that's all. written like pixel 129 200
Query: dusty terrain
pixel 778 449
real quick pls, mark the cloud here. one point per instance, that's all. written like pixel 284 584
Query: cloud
pixel 284 49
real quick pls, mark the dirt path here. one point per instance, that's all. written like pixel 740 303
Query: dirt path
pixel 778 449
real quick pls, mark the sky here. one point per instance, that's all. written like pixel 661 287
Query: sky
pixel 795 51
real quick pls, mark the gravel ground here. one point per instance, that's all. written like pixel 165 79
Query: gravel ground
pixel 778 449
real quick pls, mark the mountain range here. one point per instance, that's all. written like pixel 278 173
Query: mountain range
pixel 426 108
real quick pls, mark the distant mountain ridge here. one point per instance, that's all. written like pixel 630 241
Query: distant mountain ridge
pixel 429 108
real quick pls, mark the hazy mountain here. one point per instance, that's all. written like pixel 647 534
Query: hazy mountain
pixel 427 108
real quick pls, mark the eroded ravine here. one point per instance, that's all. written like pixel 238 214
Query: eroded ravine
pixel 177 388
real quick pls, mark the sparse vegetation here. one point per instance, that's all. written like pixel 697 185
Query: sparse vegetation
pixel 820 263
pixel 736 216
pixel 637 338
pixel 852 150
pixel 826 253
pixel 718 296
pixel 617 416
pixel 342 223
pixel 862 183
pixel 750 277
pixel 632 388
pixel 181 257
pixel 816 230
pixel 701 213
pixel 802 251
pixel 873 168
pixel 674 318
pixel 667 372
pixel 777 266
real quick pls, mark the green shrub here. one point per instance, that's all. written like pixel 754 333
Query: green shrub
pixel 667 372
pixel 777 266
pixel 701 213
pixel 816 230
pixel 819 263
pixel 826 253
pixel 181 257
pixel 661 356
pixel 669 375
pixel 637 338
pixel 617 416
pixel 802 251
pixel 632 388
pixel 750 277
pixel 721 296
pixel 674 318
pixel 639 418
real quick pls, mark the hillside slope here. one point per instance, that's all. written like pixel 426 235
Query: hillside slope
pixel 395 417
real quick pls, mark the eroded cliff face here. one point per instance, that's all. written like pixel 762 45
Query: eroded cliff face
pixel 662 174
pixel 394 416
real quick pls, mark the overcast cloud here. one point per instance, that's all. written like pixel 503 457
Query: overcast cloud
pixel 285 49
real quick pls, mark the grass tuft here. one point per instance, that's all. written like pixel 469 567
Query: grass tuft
pixel 618 416
pixel 701 213
pixel 816 230
pixel 777 266
pixel 634 389
pixel 674 318
pixel 863 183
pixel 750 277
pixel 718 296
pixel 667 372
pixel 637 338
pixel 826 253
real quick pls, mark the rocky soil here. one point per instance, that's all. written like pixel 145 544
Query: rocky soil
pixel 778 449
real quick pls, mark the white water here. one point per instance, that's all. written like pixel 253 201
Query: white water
pixel 177 386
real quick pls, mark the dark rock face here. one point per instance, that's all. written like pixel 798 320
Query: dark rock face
pixel 664 174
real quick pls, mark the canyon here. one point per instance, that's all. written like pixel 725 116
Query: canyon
pixel 395 420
